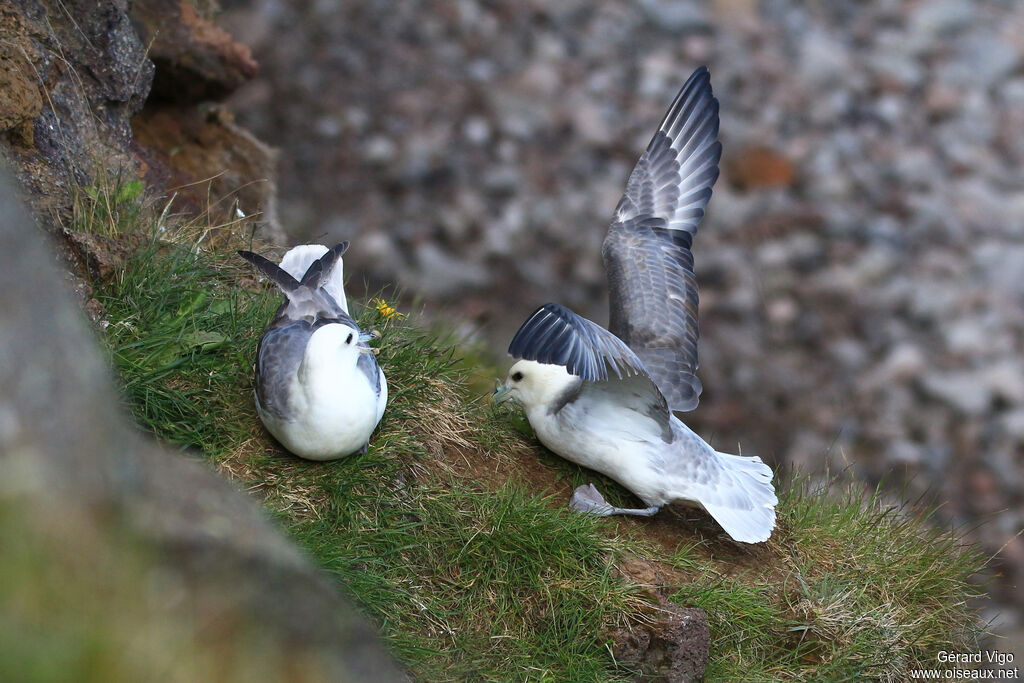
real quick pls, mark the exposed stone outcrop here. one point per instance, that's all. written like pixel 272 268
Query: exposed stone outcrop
pixel 195 60
pixel 183 144
pixel 191 147
pixel 74 74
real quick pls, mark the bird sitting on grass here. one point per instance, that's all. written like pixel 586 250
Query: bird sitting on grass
pixel 319 389
pixel 605 399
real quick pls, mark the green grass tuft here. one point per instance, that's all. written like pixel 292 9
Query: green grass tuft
pixel 179 329
pixel 861 591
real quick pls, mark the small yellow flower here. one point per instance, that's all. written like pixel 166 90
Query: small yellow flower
pixel 386 310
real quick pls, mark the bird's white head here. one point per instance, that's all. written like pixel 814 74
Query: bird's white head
pixel 336 341
pixel 534 384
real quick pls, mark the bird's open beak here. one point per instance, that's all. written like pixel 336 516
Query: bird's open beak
pixel 500 395
pixel 366 337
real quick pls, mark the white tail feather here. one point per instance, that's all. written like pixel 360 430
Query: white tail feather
pixel 747 511
pixel 297 261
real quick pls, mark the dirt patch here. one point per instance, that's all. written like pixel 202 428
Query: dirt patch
pixel 523 464
pixel 673 646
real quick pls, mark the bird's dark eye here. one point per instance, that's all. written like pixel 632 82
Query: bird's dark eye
pixel 516 376
pixel 349 340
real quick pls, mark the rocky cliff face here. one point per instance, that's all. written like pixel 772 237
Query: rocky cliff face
pixel 71 88
pixel 100 91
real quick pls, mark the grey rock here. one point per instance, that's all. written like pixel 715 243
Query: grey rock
pixel 988 59
pixel 1013 423
pixel 964 391
pixel 906 452
pixel 442 274
pixel 932 20
pixel 89 76
pixel 676 16
pixel 823 56
pixel 379 149
pixel 1001 265
pixel 1005 379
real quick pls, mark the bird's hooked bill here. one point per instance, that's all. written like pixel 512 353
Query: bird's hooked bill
pixel 499 395
pixel 365 338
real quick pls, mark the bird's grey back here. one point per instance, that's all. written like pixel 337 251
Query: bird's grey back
pixel 652 288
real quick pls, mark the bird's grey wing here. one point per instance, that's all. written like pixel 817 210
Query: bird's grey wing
pixel 306 299
pixel 280 352
pixel 553 334
pixel 273 271
pixel 651 285
pixel 637 395
pixel 367 364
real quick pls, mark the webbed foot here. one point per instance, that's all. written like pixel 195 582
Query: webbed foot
pixel 588 500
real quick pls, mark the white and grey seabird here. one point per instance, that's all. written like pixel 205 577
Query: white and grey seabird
pixel 319 388
pixel 605 399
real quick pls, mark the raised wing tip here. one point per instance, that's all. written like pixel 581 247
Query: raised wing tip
pixel 700 75
pixel 695 97
pixel 320 269
pixel 271 270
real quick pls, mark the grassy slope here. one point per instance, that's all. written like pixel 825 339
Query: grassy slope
pixel 452 531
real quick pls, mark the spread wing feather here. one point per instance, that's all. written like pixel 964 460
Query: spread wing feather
pixel 306 298
pixel 553 334
pixel 652 289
